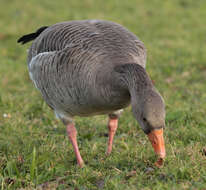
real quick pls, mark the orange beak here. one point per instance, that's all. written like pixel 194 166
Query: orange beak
pixel 157 140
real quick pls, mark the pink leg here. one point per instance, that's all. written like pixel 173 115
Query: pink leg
pixel 112 126
pixel 72 134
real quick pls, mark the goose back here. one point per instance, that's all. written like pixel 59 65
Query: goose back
pixel 95 35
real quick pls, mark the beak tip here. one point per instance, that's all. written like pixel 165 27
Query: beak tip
pixel 162 155
pixel 159 163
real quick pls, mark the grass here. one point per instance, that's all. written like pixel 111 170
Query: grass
pixel 34 150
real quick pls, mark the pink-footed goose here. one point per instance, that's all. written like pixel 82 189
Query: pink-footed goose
pixel 91 67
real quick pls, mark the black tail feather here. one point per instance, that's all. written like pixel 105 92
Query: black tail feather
pixel 29 37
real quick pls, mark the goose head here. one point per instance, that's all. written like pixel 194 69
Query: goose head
pixel 149 111
pixel 147 104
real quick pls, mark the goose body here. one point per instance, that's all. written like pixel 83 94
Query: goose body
pixel 72 64
pixel 92 67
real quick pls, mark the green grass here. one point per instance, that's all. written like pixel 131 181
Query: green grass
pixel 34 149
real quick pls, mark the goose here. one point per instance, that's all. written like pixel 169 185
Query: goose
pixel 92 67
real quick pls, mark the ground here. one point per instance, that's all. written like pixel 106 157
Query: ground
pixel 34 150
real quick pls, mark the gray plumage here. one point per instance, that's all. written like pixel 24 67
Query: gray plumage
pixel 92 67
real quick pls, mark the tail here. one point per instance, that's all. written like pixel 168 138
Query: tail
pixel 29 37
